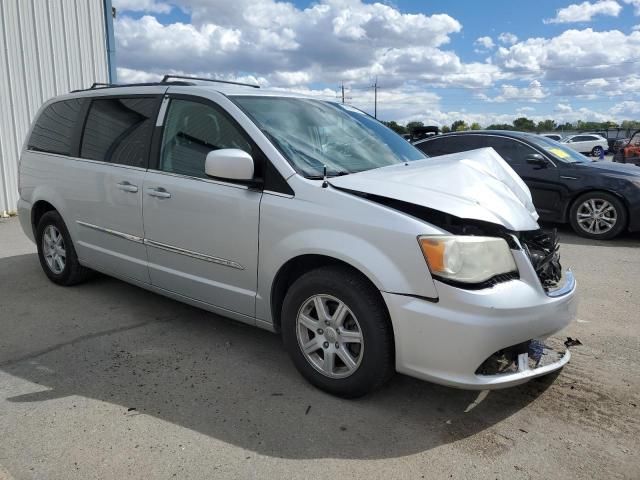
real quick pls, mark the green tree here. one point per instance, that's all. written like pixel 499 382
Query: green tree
pixel 546 125
pixel 459 126
pixel 500 126
pixel 445 129
pixel 565 126
pixel 630 124
pixel 476 126
pixel 524 124
pixel 414 124
pixel 396 127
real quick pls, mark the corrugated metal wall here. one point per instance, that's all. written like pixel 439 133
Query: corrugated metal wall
pixel 47 47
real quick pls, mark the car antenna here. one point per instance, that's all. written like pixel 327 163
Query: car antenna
pixel 325 184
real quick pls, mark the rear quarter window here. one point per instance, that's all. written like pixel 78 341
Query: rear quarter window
pixel 54 129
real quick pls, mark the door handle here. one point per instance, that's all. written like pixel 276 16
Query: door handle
pixel 158 192
pixel 127 187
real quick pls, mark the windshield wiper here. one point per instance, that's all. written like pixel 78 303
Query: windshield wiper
pixel 329 175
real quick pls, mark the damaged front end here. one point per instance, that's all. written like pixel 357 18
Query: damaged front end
pixel 543 251
pixel 524 356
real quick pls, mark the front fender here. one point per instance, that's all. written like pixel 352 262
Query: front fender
pixel 379 242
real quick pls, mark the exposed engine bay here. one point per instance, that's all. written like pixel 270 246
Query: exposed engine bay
pixel 544 252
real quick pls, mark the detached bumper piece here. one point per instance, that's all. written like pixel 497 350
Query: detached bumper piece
pixel 527 359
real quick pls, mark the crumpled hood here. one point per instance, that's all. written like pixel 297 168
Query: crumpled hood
pixel 477 184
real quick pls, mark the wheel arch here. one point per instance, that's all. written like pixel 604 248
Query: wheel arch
pixel 38 209
pixel 297 266
pixel 574 198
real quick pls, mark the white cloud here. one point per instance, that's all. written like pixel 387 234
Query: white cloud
pixel 507 38
pixel 484 43
pixel 326 42
pixel 635 4
pixel 534 92
pixel 573 55
pixel 585 11
pixel 151 6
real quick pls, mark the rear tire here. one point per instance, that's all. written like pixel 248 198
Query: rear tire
pixel 598 215
pixel 596 151
pixel 56 252
pixel 342 321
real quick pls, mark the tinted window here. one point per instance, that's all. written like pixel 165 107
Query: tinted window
pixel 54 129
pixel 118 130
pixel 191 131
pixel 512 151
pixel 451 144
pixel 582 138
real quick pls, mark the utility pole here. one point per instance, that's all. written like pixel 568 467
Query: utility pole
pixel 344 95
pixel 375 98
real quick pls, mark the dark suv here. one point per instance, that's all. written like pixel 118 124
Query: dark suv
pixel 599 199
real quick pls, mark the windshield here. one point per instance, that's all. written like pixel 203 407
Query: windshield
pixel 557 149
pixel 313 134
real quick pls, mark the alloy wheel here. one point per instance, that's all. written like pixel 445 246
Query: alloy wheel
pixel 53 249
pixel 329 336
pixel 596 216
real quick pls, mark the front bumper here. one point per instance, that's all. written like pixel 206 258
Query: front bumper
pixel 446 341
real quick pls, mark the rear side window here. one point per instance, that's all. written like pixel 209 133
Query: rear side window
pixel 118 130
pixel 54 130
pixel 451 144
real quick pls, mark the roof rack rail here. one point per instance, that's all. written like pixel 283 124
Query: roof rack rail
pixel 184 77
pixel 98 85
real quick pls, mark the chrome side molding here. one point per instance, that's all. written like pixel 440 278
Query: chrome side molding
pixel 115 233
pixel 164 246
pixel 192 254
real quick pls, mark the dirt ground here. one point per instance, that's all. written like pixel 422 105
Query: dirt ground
pixel 105 380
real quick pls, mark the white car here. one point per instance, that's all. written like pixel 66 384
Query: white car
pixel 303 217
pixel 587 143
pixel 553 136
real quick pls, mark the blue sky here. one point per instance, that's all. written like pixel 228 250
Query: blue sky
pixel 434 61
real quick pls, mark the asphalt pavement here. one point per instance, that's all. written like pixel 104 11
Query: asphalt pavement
pixel 108 381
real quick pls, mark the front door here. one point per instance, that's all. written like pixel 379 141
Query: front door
pixel 201 234
pixel 543 181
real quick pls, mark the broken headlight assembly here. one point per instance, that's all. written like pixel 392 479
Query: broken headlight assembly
pixel 468 261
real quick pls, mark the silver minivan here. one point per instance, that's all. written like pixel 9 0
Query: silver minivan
pixel 304 217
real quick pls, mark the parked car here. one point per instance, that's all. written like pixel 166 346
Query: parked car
pixel 599 199
pixel 553 136
pixel 304 217
pixel 618 144
pixel 630 151
pixel 587 144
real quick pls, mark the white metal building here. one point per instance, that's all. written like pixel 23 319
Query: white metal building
pixel 47 47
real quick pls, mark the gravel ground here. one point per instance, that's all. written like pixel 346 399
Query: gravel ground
pixel 105 380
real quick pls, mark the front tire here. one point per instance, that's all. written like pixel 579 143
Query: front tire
pixel 56 252
pixel 598 215
pixel 337 331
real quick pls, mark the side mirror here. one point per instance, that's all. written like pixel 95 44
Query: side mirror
pixel 536 159
pixel 229 164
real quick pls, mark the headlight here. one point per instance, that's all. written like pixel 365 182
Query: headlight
pixel 466 259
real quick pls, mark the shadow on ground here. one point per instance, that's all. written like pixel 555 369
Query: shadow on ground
pixel 116 343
